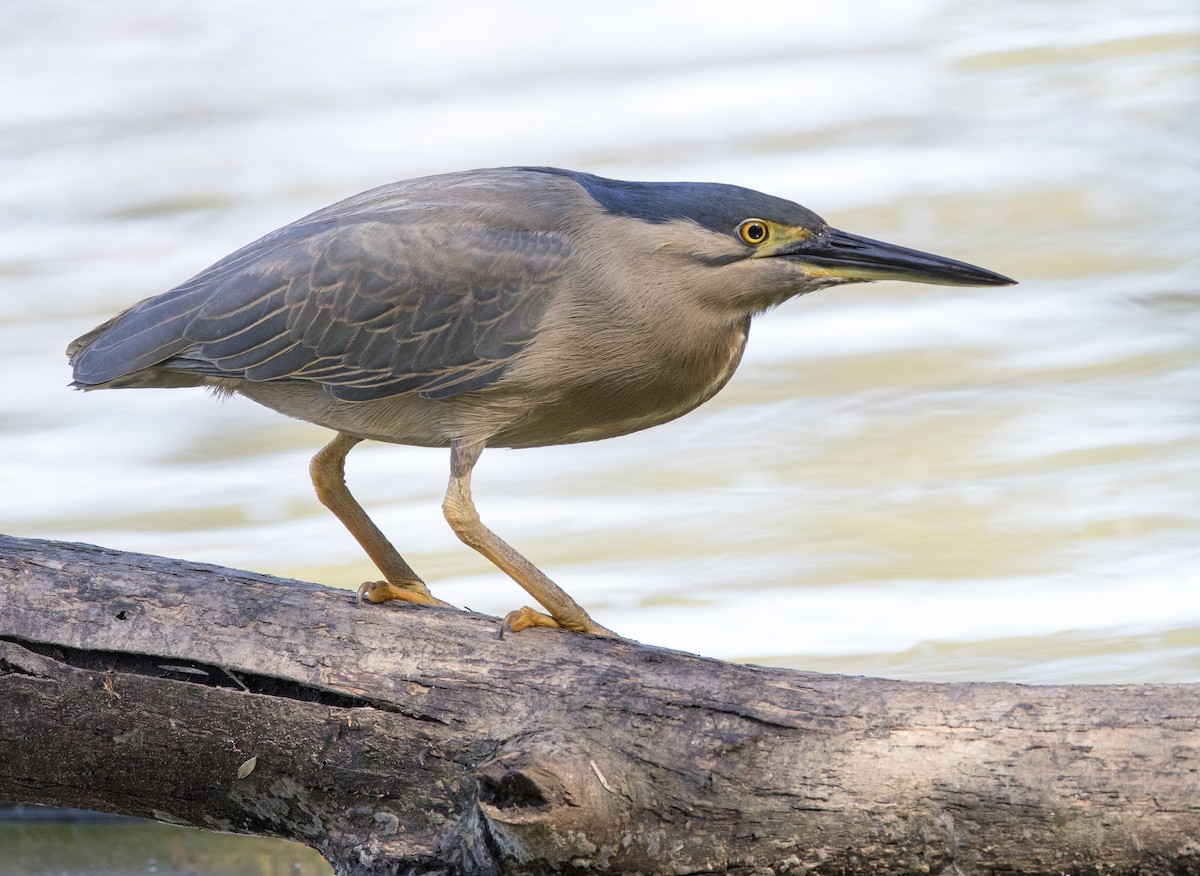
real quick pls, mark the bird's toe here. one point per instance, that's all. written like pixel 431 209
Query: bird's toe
pixel 525 617
pixel 384 591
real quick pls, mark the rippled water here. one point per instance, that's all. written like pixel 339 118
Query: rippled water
pixel 914 481
pixel 911 481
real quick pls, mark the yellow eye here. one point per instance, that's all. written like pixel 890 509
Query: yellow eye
pixel 754 231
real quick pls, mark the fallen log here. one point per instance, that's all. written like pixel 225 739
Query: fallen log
pixel 410 739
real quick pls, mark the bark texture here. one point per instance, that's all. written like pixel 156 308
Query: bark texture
pixel 409 739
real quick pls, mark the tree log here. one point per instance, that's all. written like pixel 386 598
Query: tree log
pixel 410 739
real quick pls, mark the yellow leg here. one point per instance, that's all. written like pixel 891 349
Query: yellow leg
pixel 328 472
pixel 464 520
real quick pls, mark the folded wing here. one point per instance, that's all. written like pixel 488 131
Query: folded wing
pixel 367 308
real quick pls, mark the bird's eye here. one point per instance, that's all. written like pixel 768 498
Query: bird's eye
pixel 754 231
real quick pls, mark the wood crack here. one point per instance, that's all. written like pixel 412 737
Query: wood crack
pixel 203 674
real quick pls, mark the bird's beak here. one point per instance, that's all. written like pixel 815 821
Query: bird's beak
pixel 834 253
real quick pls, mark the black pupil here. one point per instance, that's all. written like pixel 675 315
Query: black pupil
pixel 755 231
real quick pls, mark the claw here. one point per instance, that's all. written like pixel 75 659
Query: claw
pixel 358 594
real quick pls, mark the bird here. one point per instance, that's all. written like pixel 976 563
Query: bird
pixel 506 307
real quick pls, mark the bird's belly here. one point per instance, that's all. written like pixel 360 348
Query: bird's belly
pixel 400 419
pixel 584 420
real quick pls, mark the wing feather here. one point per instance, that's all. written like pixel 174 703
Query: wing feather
pixel 369 308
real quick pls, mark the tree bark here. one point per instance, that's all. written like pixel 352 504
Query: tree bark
pixel 410 739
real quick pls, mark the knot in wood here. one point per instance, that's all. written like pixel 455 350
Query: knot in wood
pixel 547 806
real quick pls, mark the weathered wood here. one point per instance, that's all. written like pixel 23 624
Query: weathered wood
pixel 409 739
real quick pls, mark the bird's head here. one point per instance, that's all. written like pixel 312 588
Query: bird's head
pixel 737 247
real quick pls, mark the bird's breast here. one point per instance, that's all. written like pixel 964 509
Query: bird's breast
pixel 625 388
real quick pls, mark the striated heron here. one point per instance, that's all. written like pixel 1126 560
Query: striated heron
pixel 512 307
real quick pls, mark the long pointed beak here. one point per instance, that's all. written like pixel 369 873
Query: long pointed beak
pixel 840 254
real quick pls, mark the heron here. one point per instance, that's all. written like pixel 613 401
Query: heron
pixel 506 307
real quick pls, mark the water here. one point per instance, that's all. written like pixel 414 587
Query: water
pixel 126 848
pixel 911 481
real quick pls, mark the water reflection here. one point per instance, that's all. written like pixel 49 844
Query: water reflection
pixel 132 848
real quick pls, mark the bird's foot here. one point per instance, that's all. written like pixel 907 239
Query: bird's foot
pixel 525 617
pixel 409 591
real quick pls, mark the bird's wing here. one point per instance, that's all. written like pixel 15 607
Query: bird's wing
pixel 368 309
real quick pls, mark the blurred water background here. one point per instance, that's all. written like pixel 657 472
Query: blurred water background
pixel 901 480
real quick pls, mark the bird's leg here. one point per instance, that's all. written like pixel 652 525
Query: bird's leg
pixel 464 520
pixel 328 472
